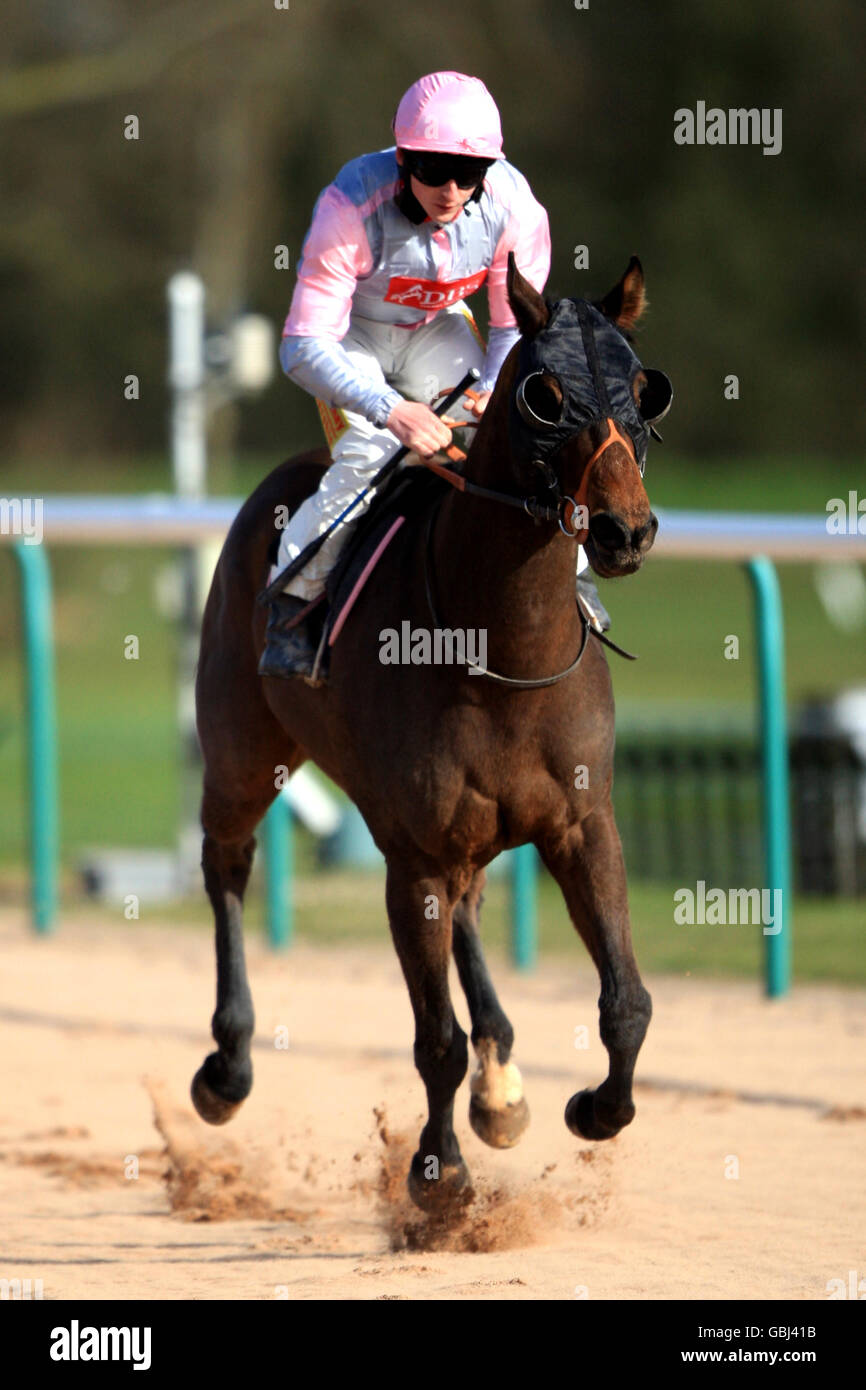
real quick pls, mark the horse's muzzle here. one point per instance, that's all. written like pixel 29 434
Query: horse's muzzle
pixel 614 548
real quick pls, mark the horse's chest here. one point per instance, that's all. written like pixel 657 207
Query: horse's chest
pixel 507 793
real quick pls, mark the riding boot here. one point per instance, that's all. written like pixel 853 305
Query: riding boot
pixel 588 593
pixel 289 649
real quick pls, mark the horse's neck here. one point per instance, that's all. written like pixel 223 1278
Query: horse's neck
pixel 498 569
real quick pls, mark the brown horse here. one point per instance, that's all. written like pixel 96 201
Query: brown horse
pixel 450 769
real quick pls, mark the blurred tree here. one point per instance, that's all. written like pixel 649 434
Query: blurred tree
pixel 246 111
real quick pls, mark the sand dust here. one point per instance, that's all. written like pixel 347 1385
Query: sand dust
pixel 742 1176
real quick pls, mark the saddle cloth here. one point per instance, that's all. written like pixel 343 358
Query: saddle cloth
pixel 405 500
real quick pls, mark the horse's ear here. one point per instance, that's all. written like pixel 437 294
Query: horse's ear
pixel 626 302
pixel 527 305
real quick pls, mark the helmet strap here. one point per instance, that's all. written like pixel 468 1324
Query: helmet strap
pixel 408 203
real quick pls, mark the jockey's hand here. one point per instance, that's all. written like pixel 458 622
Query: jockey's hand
pixel 418 427
pixel 477 401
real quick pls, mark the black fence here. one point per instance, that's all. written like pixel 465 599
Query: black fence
pixel 689 808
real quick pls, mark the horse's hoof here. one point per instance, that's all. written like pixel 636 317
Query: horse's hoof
pixel 211 1107
pixel 501 1129
pixel 451 1190
pixel 583 1118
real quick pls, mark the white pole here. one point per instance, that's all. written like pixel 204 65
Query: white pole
pixel 186 377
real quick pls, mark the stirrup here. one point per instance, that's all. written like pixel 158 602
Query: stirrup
pixel 588 595
pixel 599 618
pixel 289 646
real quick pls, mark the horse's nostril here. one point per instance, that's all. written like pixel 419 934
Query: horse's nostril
pixel 643 536
pixel 608 532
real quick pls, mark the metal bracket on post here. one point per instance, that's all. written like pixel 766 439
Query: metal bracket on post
pixel 41 731
pixel 770 634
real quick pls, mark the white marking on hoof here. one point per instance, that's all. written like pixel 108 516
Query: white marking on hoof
pixel 494 1086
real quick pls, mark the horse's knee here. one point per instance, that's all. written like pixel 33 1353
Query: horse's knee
pixel 624 1019
pixel 442 1056
pixel 230 811
pixel 226 867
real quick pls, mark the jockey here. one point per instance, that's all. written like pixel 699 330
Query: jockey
pixel 378 326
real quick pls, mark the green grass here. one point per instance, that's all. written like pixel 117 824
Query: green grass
pixel 678 616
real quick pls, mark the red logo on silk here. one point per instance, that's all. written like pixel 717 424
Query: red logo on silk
pixel 432 294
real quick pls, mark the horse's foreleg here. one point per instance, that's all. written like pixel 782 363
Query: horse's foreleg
pixel 497 1110
pixel 419 911
pixel 587 864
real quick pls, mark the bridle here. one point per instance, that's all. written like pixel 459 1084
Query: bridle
pixel 593 387
pixel 563 512
pixel 565 506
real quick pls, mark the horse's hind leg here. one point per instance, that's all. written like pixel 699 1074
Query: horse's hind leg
pixel 588 866
pixel 231 809
pixel 419 911
pixel 497 1110
pixel 225 1079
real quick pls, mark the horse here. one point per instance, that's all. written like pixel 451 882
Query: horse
pixel 451 766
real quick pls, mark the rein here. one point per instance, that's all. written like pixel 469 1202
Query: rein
pixel 483 670
pixel 566 506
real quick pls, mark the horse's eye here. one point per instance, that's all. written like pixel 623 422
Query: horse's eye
pixel 539 400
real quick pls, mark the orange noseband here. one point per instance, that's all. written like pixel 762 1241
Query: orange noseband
pixel 614 436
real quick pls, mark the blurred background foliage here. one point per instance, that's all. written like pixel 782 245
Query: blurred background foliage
pixel 246 111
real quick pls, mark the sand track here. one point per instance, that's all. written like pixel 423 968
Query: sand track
pixel 302 1195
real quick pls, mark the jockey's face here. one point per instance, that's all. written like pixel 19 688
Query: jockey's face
pixel 442 204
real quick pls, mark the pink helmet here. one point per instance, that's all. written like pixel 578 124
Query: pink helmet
pixel 449 113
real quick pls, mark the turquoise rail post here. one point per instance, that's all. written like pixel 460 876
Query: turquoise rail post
pixel 41 732
pixel 770 632
pixel 277 842
pixel 524 906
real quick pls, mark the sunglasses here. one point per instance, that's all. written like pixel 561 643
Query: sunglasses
pixel 434 170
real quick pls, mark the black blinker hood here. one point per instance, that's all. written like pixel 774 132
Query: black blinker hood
pixel 595 367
